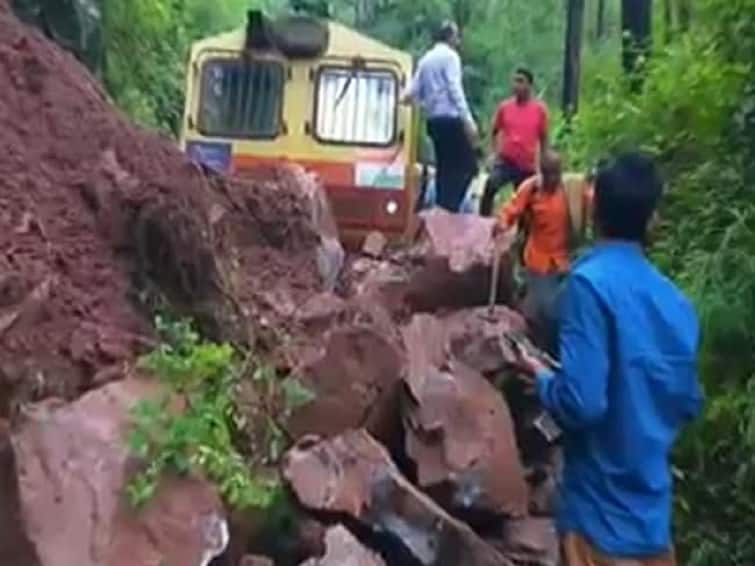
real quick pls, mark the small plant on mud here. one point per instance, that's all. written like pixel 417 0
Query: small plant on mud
pixel 198 425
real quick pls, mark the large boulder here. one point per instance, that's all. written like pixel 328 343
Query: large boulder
pixel 348 354
pixel 355 381
pixel 343 549
pixel 295 179
pixel 449 267
pixel 353 476
pixel 459 432
pixel 15 547
pixel 71 465
pixel 531 542
pixel 476 338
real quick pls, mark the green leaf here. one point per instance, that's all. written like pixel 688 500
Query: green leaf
pixel 296 394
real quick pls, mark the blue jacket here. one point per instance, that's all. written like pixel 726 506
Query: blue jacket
pixel 627 384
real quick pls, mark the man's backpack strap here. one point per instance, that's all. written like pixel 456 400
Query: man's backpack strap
pixel 574 192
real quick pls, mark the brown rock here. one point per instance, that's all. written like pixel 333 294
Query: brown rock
pixel 456 254
pixel 329 254
pixel 244 526
pixel 72 464
pixel 353 475
pixel 183 524
pixel 15 547
pixel 321 311
pixel 343 549
pixel 459 431
pixel 475 337
pixel 13 289
pixel 448 268
pixel 374 244
pixel 287 541
pixel 543 491
pixel 464 239
pixel 256 561
pixel 531 542
pixel 355 379
pixel 384 280
pixel 30 311
pixel 310 538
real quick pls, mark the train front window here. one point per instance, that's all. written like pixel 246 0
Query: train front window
pixel 241 98
pixel 356 106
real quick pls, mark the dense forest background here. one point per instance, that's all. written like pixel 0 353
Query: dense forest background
pixel 688 96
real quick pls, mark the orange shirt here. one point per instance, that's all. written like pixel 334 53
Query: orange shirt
pixel 547 247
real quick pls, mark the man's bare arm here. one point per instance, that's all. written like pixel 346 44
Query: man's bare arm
pixel 409 95
pixel 544 142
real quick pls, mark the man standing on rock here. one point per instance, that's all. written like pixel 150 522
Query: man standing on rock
pixel 627 382
pixel 437 87
pixel 519 136
pixel 553 212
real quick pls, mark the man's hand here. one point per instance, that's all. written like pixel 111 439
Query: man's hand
pixel 530 364
pixel 527 361
pixel 473 133
pixel 503 236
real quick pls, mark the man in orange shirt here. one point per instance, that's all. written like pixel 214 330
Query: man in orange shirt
pixel 519 137
pixel 554 211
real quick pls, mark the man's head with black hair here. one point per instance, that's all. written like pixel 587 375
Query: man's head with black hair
pixel 522 83
pixel 448 32
pixel 627 192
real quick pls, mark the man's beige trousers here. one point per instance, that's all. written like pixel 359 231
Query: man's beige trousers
pixel 576 551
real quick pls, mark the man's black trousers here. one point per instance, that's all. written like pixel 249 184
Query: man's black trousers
pixel 455 161
pixel 503 173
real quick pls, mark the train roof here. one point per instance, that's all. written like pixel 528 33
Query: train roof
pixel 344 42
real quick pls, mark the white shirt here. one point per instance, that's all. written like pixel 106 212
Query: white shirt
pixel 437 85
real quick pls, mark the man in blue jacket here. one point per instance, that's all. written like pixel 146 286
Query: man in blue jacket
pixel 627 382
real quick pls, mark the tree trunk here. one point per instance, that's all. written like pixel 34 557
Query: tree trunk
pixel 575 11
pixel 636 26
pixel 668 21
pixel 461 11
pixel 684 14
pixel 600 24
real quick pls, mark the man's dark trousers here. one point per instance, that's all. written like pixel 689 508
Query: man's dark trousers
pixel 503 173
pixel 455 161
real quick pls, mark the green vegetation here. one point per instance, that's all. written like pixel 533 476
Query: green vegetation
pixel 695 110
pixel 196 425
pixel 146 46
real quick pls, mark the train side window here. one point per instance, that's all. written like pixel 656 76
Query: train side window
pixel 241 98
pixel 356 106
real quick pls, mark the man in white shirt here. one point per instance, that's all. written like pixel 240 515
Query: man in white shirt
pixel 437 88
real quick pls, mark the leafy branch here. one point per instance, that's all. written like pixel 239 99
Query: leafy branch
pixel 196 424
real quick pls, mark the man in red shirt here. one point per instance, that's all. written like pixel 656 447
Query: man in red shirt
pixel 519 136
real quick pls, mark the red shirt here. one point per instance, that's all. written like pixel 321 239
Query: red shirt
pixel 519 127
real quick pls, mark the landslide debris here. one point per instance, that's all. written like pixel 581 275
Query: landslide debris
pixel 419 459
pixel 100 220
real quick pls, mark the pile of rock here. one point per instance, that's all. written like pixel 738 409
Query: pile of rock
pixel 411 442
pixel 418 448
